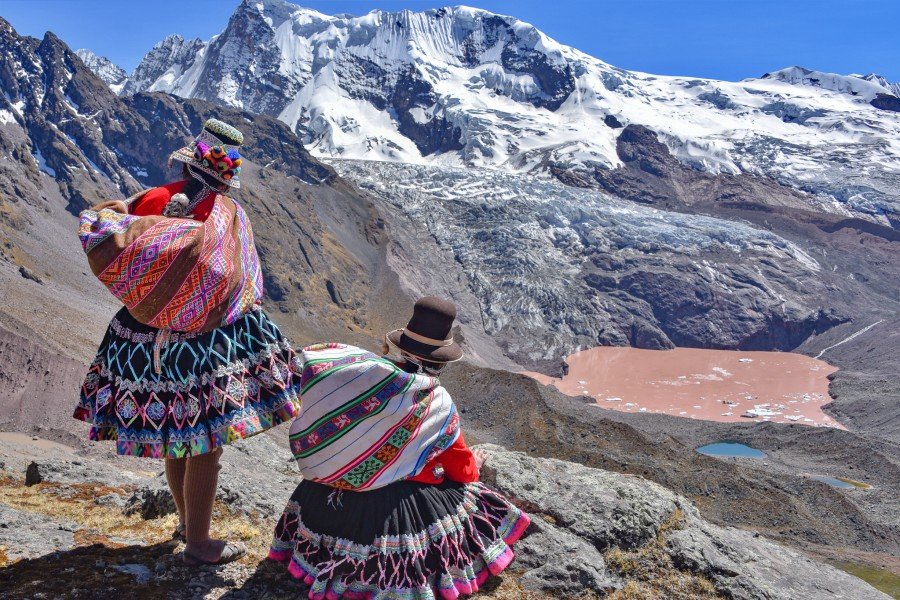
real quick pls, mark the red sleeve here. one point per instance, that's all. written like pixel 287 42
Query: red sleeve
pixel 155 200
pixel 151 203
pixel 459 462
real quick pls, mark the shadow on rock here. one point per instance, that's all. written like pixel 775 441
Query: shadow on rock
pixel 268 578
pixel 154 571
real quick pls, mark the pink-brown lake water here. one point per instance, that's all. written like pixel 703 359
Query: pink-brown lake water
pixel 716 385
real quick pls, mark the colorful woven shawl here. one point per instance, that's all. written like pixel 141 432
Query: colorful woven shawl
pixel 176 274
pixel 364 422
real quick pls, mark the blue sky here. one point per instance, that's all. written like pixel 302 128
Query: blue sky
pixel 724 39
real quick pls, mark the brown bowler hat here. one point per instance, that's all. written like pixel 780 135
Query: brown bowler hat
pixel 427 335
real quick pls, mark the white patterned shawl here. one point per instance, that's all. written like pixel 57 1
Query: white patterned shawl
pixel 364 422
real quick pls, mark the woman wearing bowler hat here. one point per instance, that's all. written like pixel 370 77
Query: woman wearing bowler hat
pixel 391 504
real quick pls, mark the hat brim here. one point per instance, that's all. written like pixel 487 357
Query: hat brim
pixel 438 354
pixel 186 155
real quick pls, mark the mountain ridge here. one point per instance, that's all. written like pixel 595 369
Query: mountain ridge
pixel 463 86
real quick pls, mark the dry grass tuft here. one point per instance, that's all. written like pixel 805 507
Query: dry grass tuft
pixel 98 524
pixel 650 573
pixel 102 538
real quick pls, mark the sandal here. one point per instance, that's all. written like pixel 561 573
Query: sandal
pixel 230 553
pixel 179 533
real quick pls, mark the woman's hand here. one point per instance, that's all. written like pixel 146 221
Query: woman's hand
pixel 481 456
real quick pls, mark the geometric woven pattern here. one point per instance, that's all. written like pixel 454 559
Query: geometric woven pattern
pixel 176 274
pixel 212 388
pixel 250 291
pixel 365 422
pixel 396 553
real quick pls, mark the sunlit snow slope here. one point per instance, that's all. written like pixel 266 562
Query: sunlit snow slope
pixel 465 86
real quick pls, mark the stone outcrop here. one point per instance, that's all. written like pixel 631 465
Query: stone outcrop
pixel 582 512
pixel 584 521
pixel 257 478
pixel 28 535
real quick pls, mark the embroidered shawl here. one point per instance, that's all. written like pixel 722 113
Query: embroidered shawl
pixel 171 273
pixel 364 422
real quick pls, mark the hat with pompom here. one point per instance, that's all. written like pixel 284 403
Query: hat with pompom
pixel 215 152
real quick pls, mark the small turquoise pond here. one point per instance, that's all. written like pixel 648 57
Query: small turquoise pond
pixel 834 482
pixel 731 449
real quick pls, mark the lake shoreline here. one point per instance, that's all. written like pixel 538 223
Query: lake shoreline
pixel 728 386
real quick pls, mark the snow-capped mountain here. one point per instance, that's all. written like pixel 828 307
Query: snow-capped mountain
pixel 112 74
pixel 537 268
pixel 163 64
pixel 465 86
pixel 866 87
pixel 892 88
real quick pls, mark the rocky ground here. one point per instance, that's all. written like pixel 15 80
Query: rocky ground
pixel 595 534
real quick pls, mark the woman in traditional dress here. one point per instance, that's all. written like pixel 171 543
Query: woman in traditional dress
pixel 191 362
pixel 390 505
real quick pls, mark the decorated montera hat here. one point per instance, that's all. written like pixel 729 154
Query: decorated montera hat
pixel 215 152
pixel 428 333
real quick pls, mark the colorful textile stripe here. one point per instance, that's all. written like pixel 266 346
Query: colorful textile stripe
pixel 137 270
pixel 175 274
pixel 95 227
pixel 206 283
pixel 250 291
pixel 364 422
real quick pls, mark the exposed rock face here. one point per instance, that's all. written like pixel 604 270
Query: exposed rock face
pixel 650 174
pixel 609 510
pixel 78 469
pixel 27 535
pixel 886 102
pixel 112 74
pixel 64 110
pixel 163 61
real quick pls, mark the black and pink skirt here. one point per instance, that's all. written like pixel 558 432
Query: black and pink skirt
pixel 404 541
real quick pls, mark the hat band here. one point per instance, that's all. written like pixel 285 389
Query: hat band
pixel 427 340
pixel 211 139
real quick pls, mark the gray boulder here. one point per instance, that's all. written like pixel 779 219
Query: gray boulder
pixel 151 499
pixel 79 470
pixel 257 477
pixel 576 566
pixel 28 535
pixel 747 566
pixel 579 512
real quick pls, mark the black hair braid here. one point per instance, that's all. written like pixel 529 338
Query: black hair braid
pixel 194 186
